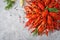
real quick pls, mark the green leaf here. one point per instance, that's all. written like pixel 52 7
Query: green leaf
pixel 10 4
pixel 53 9
pixel 35 32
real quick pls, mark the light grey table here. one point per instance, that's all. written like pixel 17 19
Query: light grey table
pixel 12 27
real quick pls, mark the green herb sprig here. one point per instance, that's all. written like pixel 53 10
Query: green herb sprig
pixel 52 9
pixel 35 32
pixel 10 3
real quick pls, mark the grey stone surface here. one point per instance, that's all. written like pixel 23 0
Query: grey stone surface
pixel 12 27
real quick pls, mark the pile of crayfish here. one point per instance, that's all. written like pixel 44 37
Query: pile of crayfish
pixel 43 16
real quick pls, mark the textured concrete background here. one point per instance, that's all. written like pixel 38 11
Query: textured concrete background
pixel 12 28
